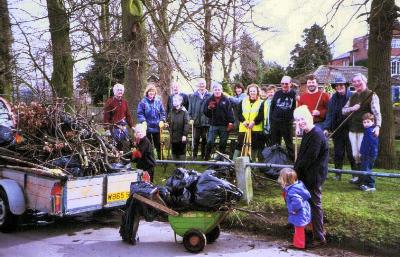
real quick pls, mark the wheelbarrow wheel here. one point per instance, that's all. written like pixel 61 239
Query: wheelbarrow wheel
pixel 213 235
pixel 194 241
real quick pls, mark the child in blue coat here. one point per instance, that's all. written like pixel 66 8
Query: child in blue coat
pixel 368 151
pixel 296 197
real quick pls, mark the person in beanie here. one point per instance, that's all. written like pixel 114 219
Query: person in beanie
pixel 218 109
pixel 178 120
pixel 362 101
pixel 143 155
pixel 296 198
pixel 334 118
pixel 198 119
pixel 281 114
pixel 311 167
pixel 176 91
pixel 151 112
pixel 369 152
pixel 117 117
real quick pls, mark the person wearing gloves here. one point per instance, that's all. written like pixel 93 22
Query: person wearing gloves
pixel 151 112
pixel 250 117
pixel 117 117
pixel 296 197
pixel 178 120
pixel 218 109
pixel 198 119
pixel 143 155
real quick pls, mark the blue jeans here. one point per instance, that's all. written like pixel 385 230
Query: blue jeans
pixel 215 131
pixel 366 165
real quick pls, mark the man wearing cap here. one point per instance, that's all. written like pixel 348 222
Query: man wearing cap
pixel 281 115
pixel 361 102
pixel 117 117
pixel 316 101
pixel 334 118
pixel 218 109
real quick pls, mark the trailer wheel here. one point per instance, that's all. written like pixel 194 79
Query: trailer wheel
pixel 8 221
pixel 194 241
pixel 213 235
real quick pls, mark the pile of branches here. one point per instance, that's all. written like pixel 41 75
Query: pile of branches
pixel 50 138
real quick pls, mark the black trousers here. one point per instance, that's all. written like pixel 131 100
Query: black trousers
pixel 283 130
pixel 257 140
pixel 200 133
pixel 342 146
pixel 155 140
pixel 179 148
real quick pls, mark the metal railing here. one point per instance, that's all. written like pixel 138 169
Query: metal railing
pixel 272 165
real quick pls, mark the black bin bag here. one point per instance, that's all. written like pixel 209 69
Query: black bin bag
pixel 275 155
pixel 213 192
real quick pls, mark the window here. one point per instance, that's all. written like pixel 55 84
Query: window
pixel 395 67
pixel 396 43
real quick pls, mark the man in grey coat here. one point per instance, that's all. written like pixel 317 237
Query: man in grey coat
pixel 197 117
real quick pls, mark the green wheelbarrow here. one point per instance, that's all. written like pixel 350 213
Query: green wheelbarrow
pixel 197 228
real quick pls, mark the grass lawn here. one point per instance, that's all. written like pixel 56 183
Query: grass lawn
pixel 365 220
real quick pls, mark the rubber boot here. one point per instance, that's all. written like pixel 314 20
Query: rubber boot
pixel 356 179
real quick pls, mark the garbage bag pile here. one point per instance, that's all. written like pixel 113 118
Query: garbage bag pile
pixel 276 155
pixel 53 138
pixel 190 190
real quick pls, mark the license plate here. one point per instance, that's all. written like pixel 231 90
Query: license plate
pixel 119 196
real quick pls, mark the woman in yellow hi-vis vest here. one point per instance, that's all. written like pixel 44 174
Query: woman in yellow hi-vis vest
pixel 251 115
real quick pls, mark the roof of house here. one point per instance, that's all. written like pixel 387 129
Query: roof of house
pixel 342 56
pixel 328 73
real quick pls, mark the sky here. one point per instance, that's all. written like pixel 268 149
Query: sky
pixel 287 18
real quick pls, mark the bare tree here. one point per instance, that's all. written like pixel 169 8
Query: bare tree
pixel 5 51
pixel 62 76
pixel 134 38
pixel 381 20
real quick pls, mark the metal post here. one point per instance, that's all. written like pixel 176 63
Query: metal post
pixel 243 177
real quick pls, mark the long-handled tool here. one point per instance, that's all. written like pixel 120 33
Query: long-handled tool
pixel 351 114
pixel 192 141
pixel 246 148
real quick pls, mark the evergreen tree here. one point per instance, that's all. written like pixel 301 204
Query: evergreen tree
pixel 251 60
pixel 273 73
pixel 312 53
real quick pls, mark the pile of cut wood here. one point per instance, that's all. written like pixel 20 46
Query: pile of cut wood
pixel 47 139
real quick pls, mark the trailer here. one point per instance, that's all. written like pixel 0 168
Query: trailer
pixel 59 195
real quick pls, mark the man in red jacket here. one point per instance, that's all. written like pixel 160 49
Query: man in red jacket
pixel 117 117
pixel 315 100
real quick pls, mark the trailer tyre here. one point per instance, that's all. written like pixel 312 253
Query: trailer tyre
pixel 8 220
pixel 194 241
pixel 213 235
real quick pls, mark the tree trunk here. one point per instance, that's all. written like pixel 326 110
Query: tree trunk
pixel 104 25
pixel 381 22
pixel 134 37
pixel 62 76
pixel 208 47
pixel 164 67
pixel 5 51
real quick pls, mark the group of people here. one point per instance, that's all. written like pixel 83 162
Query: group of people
pixel 352 120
